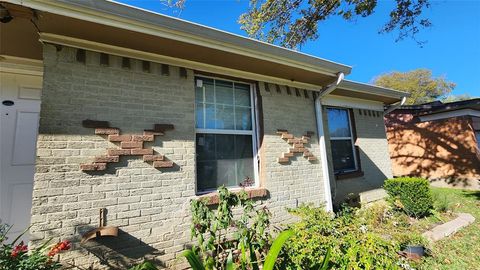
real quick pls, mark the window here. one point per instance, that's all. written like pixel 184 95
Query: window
pixel 224 133
pixel 341 140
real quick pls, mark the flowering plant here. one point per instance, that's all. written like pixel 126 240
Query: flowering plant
pixel 19 256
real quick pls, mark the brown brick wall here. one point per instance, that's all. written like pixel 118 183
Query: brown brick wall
pixel 442 150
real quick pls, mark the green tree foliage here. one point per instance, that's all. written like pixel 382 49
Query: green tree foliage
pixel 454 98
pixel 420 83
pixel 291 23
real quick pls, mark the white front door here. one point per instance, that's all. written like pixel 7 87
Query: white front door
pixel 19 115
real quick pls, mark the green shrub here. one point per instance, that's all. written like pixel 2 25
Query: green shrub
pixel 353 243
pixel 412 195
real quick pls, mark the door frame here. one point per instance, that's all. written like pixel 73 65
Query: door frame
pixel 20 66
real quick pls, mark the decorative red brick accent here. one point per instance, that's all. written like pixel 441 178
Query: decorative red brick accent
pixel 163 164
pixel 106 159
pixel 130 145
pixel 142 151
pixel 298 146
pixel 297 150
pixel 153 158
pixel 212 198
pixel 106 131
pixel 119 138
pixel 307 154
pixel 119 152
pixel 93 167
pixel 143 138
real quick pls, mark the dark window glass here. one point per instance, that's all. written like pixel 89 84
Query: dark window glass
pixel 342 154
pixel 341 140
pixel 223 159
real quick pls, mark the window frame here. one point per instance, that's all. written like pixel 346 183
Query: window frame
pixel 477 137
pixel 351 138
pixel 252 132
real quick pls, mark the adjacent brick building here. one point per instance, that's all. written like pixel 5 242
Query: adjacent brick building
pixel 437 141
pixel 139 114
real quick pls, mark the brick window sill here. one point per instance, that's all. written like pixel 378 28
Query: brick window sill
pixel 212 198
pixel 349 175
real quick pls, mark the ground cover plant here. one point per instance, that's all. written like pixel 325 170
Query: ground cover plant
pixel 233 234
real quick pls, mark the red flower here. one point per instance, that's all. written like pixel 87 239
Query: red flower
pixel 20 248
pixel 60 246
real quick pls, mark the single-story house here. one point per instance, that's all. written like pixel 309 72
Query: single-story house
pixel 113 108
pixel 439 141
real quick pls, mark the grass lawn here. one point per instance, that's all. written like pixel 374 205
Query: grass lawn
pixel 462 250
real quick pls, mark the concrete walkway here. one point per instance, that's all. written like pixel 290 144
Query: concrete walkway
pixel 449 228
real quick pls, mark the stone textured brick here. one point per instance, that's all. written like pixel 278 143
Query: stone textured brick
pixel 133 101
pixel 300 180
pixel 373 156
pixel 150 205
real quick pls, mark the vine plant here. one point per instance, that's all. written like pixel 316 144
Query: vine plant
pixel 234 226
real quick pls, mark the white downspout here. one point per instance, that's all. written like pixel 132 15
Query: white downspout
pixel 321 140
pixel 394 107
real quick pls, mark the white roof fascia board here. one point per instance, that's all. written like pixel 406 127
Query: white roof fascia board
pixel 349 102
pixel 141 55
pixel 131 18
pixel 450 114
pixel 372 89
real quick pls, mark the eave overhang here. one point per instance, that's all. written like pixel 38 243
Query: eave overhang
pixel 369 92
pixel 120 25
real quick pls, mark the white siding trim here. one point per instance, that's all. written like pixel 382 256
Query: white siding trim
pixel 443 115
pixel 19 65
pixel 348 102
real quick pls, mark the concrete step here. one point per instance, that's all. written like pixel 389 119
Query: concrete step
pixel 449 228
